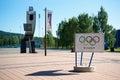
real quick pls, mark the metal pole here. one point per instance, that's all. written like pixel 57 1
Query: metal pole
pixel 75 59
pixel 91 59
pixel 81 58
pixel 45 30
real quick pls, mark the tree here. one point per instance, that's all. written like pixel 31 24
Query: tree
pixel 1 41
pixel 103 18
pixel 62 33
pixel 66 32
pixel 50 40
pixel 96 27
pixel 100 25
pixel 67 29
pixel 15 39
pixel 73 27
pixel 110 37
pixel 84 23
pixel 6 40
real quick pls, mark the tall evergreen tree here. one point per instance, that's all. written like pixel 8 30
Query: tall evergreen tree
pixel 103 18
pixel 100 25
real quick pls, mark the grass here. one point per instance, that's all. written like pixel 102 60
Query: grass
pixel 116 50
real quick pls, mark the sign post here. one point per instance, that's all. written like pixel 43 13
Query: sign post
pixel 81 58
pixel 87 42
pixel 91 59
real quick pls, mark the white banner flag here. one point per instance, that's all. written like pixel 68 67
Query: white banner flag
pixel 49 21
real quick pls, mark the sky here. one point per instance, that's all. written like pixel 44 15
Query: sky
pixel 13 13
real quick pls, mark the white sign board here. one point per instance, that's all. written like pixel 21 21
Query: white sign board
pixel 89 42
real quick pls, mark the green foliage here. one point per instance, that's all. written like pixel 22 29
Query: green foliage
pixel 108 30
pixel 50 40
pixel 96 27
pixel 73 27
pixel 85 24
pixel 8 39
pixel 15 39
pixel 67 29
pixel 66 32
pixel 4 40
pixel 110 37
pixel 1 41
pixel 62 33
pixel 103 18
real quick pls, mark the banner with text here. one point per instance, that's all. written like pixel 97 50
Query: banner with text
pixel 49 20
pixel 89 42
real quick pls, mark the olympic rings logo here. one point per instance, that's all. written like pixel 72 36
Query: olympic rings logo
pixel 89 40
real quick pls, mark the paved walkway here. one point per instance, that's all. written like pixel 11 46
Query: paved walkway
pixel 58 65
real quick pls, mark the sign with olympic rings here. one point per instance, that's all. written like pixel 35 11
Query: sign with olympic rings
pixel 89 42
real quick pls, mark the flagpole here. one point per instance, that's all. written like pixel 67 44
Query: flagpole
pixel 45 30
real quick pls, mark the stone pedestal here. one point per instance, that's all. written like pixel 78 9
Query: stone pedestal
pixel 83 69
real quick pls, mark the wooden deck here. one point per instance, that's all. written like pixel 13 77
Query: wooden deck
pixel 58 65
